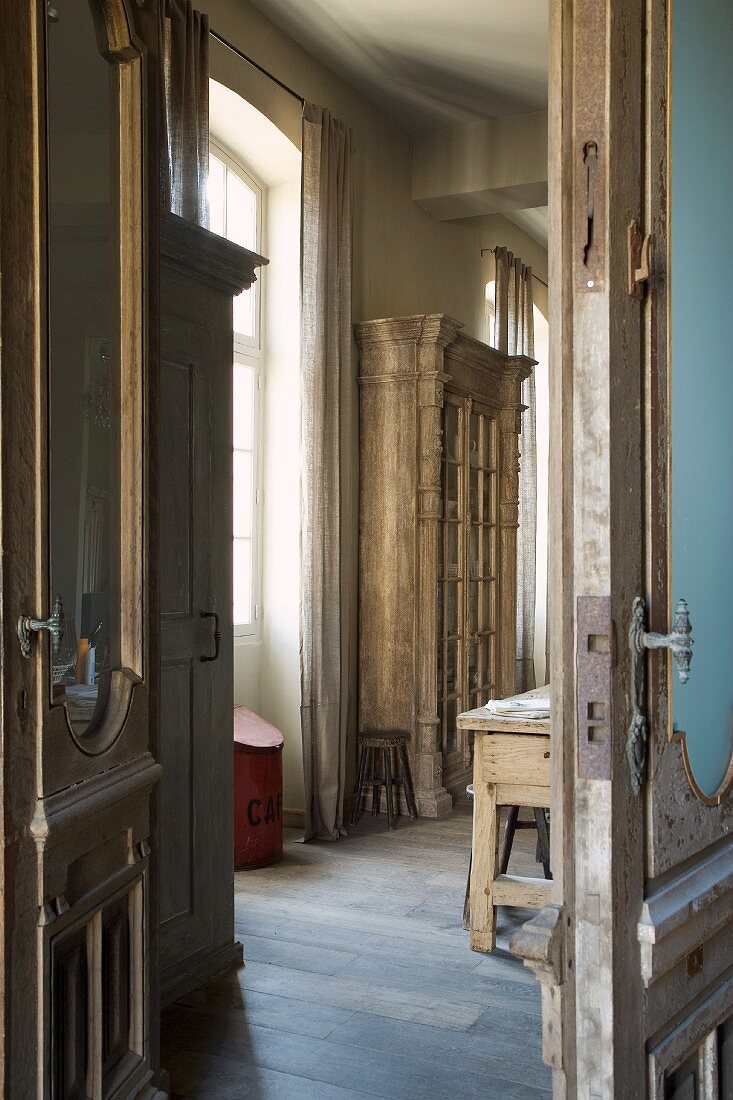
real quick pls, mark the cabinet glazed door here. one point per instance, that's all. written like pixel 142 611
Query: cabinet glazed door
pixel 452 584
pixel 77 766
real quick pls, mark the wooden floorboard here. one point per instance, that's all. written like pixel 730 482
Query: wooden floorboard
pixel 359 981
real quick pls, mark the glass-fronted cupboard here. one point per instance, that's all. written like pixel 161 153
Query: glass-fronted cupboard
pixel 440 419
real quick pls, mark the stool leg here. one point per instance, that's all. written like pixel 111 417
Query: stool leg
pixel 376 783
pixel 356 812
pixel 388 780
pixel 507 838
pixel 543 839
pixel 404 762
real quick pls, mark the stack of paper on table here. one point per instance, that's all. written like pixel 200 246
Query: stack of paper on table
pixel 532 704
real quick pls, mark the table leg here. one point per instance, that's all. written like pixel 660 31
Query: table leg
pixel 483 866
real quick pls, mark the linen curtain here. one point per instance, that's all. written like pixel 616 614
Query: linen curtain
pixel 326 383
pixel 184 35
pixel 514 335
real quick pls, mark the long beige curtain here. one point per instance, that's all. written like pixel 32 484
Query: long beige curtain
pixel 326 382
pixel 184 34
pixel 514 335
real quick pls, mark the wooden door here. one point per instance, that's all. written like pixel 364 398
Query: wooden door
pixel 200 274
pixel 635 956
pixel 77 315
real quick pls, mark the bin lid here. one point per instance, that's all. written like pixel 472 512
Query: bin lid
pixel 254 734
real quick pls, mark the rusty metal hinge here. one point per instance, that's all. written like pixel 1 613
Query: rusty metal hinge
pixel 640 252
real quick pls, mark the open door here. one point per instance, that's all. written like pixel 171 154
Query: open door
pixel 77 311
pixel 636 956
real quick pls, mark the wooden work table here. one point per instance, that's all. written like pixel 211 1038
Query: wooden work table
pixel 511 767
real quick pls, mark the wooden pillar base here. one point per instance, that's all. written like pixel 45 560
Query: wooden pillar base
pixel 436 803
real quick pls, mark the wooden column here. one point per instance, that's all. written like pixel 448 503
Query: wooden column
pixel 433 800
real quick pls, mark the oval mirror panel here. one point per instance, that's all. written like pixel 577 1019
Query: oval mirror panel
pixel 701 376
pixel 83 353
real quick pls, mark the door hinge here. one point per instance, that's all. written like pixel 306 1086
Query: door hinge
pixel 640 252
pixel 680 642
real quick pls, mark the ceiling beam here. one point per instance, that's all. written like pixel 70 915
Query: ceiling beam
pixel 487 167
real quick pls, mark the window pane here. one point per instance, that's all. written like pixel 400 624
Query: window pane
pixel 244 313
pixel 244 393
pixel 241 213
pixel 216 191
pixel 242 582
pixel 243 494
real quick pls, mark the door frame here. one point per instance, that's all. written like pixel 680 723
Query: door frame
pixel 584 947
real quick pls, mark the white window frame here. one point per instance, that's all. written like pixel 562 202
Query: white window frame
pixel 249 351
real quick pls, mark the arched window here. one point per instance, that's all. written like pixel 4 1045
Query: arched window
pixel 236 211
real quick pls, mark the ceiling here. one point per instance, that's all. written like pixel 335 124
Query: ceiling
pixel 428 63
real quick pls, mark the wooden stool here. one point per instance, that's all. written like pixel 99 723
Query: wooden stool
pixel 375 770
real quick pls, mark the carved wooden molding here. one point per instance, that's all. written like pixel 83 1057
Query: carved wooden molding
pixel 200 254
pixel 540 943
pixel 695 1030
pixel 69 809
pixel 685 913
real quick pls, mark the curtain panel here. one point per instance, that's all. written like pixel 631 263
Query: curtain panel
pixel 326 383
pixel 514 335
pixel 184 34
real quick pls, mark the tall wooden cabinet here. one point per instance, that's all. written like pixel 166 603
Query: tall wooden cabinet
pixel 440 418
pixel 200 274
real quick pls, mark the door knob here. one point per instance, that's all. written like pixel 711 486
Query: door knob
pixel 54 625
pixel 217 635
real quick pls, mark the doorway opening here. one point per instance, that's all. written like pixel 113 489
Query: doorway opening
pixel 357 964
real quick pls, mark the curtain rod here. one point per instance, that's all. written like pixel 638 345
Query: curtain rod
pixel 533 274
pixel 235 49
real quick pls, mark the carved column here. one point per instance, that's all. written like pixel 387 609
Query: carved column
pixel 433 799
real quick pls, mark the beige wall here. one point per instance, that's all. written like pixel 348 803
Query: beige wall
pixel 404 261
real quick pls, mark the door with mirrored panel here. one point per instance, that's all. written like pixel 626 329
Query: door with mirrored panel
pixel 79 960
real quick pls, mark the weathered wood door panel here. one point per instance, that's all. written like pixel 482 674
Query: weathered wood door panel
pixel 635 956
pixel 78 320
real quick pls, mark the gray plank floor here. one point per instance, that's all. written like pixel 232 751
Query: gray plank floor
pixel 359 982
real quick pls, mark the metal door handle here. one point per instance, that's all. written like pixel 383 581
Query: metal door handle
pixel 680 642
pixel 217 634
pixel 27 625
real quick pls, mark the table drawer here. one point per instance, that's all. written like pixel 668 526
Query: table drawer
pixel 515 758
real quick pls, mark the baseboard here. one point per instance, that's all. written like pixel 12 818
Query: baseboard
pixel 294 819
pixel 195 972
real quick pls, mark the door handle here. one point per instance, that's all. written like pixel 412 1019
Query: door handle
pixel 680 642
pixel 27 625
pixel 217 635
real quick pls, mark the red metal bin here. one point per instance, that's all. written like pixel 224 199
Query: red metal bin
pixel 258 791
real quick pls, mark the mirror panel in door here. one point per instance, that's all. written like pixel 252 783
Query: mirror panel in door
pixel 701 373
pixel 84 357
